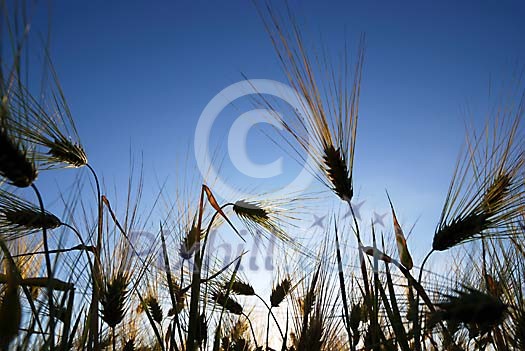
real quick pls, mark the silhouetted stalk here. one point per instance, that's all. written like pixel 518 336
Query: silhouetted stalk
pixel 343 287
pixel 150 319
pixel 252 330
pixel 56 251
pixel 196 282
pixel 67 321
pixel 416 305
pixel 26 291
pixel 49 271
pixel 377 333
pixel 268 328
pixel 367 296
pixel 170 283
pixel 93 343
pixel 271 313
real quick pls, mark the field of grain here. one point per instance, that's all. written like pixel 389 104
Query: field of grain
pixel 81 280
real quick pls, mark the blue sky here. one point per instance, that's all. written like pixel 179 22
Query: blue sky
pixel 137 76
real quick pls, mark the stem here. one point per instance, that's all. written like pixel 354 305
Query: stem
pixel 197 267
pixel 49 273
pixel 95 273
pixel 342 286
pixel 270 311
pixel 170 283
pixel 74 248
pixel 208 229
pixel 177 321
pixel 67 321
pixel 195 283
pixel 417 330
pixel 83 246
pixel 484 272
pixel 367 296
pixel 423 265
pixel 251 328
pixel 268 328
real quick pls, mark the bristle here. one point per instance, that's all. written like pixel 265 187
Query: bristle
pixel 338 174
pixel 239 329
pixel 113 300
pixel 227 302
pixel 15 166
pixel 32 219
pixel 67 152
pixel 519 330
pixel 495 195
pixel 326 125
pixel 279 292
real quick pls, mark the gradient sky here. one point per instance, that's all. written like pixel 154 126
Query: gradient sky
pixel 137 75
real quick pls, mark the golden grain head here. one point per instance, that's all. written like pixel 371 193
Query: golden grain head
pixel 325 127
pixel 459 230
pixel 489 212
pixel 265 219
pixel 251 211
pixel 188 243
pixel 227 302
pixel 472 308
pixel 154 308
pixel 15 165
pixel 113 300
pixel 338 174
pixel 129 345
pixel 280 292
pixel 19 217
pixel 355 317
pixel 31 218
pixel 239 287
pixel 48 125
pixel 67 152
